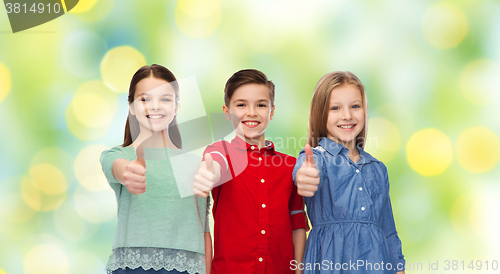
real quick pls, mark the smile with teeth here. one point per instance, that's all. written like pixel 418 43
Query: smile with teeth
pixel 346 126
pixel 155 116
pixel 251 123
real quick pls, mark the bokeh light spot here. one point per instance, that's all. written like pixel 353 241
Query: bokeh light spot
pixel 91 111
pixel 5 82
pixel 88 169
pixel 429 152
pixel 383 140
pixel 2 272
pixel 48 179
pixel 478 149
pixel 37 199
pixel 46 259
pixel 198 18
pixel 119 65
pixel 444 25
pixel 87 114
pixel 480 82
pixel 83 6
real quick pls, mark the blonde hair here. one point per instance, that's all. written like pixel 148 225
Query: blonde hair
pixel 320 105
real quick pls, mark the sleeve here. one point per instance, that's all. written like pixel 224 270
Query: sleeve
pixel 389 227
pixel 318 159
pixel 207 222
pixel 219 152
pixel 297 212
pixel 107 159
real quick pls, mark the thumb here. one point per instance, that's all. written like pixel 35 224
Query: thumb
pixel 139 151
pixel 210 162
pixel 309 156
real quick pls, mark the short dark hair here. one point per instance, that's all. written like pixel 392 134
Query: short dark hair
pixel 247 76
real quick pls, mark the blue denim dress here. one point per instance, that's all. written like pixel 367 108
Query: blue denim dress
pixel 351 215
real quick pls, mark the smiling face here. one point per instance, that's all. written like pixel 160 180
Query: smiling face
pixel 346 116
pixel 250 111
pixel 154 104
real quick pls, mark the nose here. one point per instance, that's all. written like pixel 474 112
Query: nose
pixel 251 111
pixel 154 105
pixel 346 114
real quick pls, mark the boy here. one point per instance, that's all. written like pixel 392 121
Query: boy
pixel 260 224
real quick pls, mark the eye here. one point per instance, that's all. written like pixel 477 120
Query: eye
pixel 262 105
pixel 240 105
pixel 334 108
pixel 166 100
pixel 356 106
pixel 144 99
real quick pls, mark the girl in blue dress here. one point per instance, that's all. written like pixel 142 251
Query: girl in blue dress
pixel 346 189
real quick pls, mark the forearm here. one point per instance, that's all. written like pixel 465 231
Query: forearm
pixel 299 245
pixel 208 251
pixel 119 168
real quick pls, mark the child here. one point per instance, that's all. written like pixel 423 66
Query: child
pixel 346 189
pixel 259 217
pixel 158 231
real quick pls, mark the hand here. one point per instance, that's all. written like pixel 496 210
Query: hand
pixel 307 176
pixel 207 176
pixel 135 173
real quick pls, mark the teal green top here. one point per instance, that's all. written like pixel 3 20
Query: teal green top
pixel 159 218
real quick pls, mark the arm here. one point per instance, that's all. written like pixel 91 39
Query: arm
pixel 389 227
pixel 208 251
pixel 118 169
pixel 299 245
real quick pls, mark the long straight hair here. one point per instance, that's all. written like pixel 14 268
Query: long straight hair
pixel 320 105
pixel 132 125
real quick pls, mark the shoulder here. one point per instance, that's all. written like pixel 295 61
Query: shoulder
pixel 218 146
pixel 286 157
pixel 118 150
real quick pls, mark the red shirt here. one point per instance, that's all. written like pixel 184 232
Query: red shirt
pixel 255 210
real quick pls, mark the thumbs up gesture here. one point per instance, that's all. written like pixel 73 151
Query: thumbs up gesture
pixel 134 175
pixel 207 176
pixel 307 176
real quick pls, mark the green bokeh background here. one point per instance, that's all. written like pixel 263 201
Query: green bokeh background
pixel 425 65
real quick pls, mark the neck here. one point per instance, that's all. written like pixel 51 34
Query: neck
pixel 260 141
pixel 154 139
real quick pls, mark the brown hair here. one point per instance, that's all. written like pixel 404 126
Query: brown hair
pixel 132 125
pixel 243 77
pixel 320 105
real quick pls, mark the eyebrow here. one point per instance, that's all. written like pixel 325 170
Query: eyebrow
pixel 244 100
pixel 353 102
pixel 145 93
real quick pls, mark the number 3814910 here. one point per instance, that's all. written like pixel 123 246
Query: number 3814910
pixel 35 8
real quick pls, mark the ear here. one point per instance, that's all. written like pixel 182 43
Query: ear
pixel 272 113
pixel 131 108
pixel 225 109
